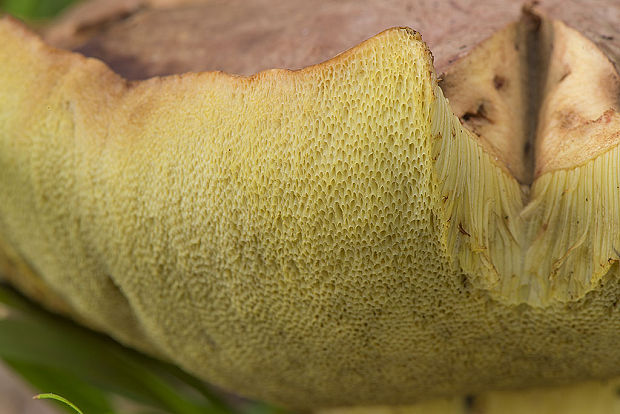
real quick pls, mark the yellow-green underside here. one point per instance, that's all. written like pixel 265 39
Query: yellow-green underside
pixel 288 236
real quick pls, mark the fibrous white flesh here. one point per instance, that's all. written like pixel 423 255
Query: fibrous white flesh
pixel 556 239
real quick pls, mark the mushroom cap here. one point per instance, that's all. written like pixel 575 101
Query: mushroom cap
pixel 326 236
pixel 144 38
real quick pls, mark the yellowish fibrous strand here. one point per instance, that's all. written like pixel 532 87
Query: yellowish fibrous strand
pixel 553 243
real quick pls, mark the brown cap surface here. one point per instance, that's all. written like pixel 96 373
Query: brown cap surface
pixel 141 38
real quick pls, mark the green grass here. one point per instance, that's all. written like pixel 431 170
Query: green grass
pixel 34 9
pixel 63 400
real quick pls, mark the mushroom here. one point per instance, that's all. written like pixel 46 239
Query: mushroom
pixel 378 228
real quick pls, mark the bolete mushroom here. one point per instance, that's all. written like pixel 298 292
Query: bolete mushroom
pixel 373 229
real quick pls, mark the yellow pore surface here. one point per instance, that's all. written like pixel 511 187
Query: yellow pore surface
pixel 330 236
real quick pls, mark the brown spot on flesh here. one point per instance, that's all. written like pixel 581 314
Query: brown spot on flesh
pixel 499 82
pixel 462 230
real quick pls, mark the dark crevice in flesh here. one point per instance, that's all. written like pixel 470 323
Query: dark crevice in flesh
pixel 536 55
